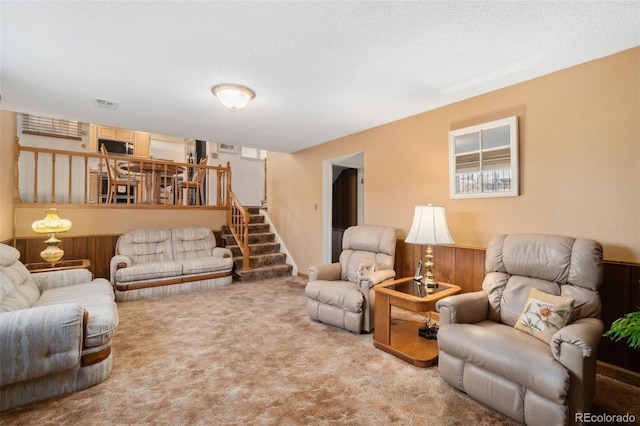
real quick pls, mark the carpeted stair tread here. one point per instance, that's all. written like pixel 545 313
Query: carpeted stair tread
pixel 256 238
pixel 253 228
pixel 260 260
pixel 262 273
pixel 255 249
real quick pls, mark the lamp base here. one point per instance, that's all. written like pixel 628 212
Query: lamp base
pixel 52 253
pixel 429 283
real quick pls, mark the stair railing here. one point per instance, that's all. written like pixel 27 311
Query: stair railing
pixel 238 221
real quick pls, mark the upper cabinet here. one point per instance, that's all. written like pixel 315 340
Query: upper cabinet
pixel 141 144
pixel 140 140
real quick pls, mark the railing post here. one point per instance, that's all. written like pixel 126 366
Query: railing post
pixel 264 189
pixel 70 180
pixel 16 171
pixel 53 177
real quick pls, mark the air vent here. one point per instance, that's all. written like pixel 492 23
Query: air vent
pixel 103 103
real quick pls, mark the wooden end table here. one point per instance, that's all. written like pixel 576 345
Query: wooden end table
pixel 402 339
pixel 60 265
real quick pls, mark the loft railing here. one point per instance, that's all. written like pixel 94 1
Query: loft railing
pixel 49 176
pixel 238 222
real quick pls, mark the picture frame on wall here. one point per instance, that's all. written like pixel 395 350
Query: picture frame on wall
pixel 227 148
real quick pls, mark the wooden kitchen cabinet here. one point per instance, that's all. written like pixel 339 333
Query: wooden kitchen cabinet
pixel 106 132
pixel 115 134
pixel 141 140
pixel 124 135
pixel 141 144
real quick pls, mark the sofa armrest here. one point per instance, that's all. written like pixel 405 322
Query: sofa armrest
pixel 374 278
pixel 55 279
pixel 584 333
pixel 118 261
pixel 467 308
pixel 39 341
pixel 328 272
pixel 221 252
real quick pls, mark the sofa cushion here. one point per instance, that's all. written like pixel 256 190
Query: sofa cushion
pixel 342 294
pixel 97 299
pixel 521 359
pixel 205 265
pixel 192 242
pixel 149 271
pixel 17 288
pixel 146 245
pixel 544 314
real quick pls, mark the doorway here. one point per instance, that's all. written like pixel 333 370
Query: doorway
pixel 343 201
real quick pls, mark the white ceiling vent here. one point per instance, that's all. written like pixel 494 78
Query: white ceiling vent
pixel 103 103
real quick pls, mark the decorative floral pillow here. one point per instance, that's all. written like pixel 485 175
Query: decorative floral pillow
pixel 366 266
pixel 544 314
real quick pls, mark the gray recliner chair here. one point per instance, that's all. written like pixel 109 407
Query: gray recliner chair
pixel 342 294
pixel 526 345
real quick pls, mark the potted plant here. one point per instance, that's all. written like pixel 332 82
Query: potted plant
pixel 627 327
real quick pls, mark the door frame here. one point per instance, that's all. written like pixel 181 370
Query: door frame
pixel 355 161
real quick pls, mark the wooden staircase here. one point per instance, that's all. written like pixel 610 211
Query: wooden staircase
pixel 266 261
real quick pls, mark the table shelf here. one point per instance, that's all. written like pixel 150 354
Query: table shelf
pixel 402 339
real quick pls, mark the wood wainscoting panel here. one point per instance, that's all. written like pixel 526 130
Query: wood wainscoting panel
pixel 462 266
pixel 620 294
pixel 99 249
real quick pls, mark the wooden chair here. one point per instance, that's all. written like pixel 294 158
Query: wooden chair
pixel 197 182
pixel 115 180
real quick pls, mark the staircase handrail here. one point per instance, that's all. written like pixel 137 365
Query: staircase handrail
pixel 238 222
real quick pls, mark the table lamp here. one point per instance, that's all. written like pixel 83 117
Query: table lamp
pixel 429 227
pixel 52 225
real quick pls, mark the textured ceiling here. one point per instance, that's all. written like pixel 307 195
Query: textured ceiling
pixel 320 70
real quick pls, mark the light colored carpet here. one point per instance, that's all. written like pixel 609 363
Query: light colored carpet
pixel 248 354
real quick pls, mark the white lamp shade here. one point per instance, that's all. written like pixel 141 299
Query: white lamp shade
pixel 233 96
pixel 429 226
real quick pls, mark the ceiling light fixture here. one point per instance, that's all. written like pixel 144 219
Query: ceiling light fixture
pixel 233 96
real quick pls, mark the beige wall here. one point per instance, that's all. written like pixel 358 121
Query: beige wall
pixel 579 145
pixel 7 137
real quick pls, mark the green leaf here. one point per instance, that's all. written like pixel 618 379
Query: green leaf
pixel 626 327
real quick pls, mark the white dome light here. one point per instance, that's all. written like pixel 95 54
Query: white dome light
pixel 233 96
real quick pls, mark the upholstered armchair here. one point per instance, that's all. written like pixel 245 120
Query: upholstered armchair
pixel 526 345
pixel 342 294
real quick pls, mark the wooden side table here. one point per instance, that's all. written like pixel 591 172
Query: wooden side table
pixel 61 265
pixel 402 339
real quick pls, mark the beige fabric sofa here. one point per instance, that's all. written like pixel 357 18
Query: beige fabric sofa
pixel 153 262
pixel 338 294
pixel 55 331
pixel 533 381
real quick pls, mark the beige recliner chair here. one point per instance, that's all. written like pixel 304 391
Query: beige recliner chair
pixel 529 354
pixel 342 294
